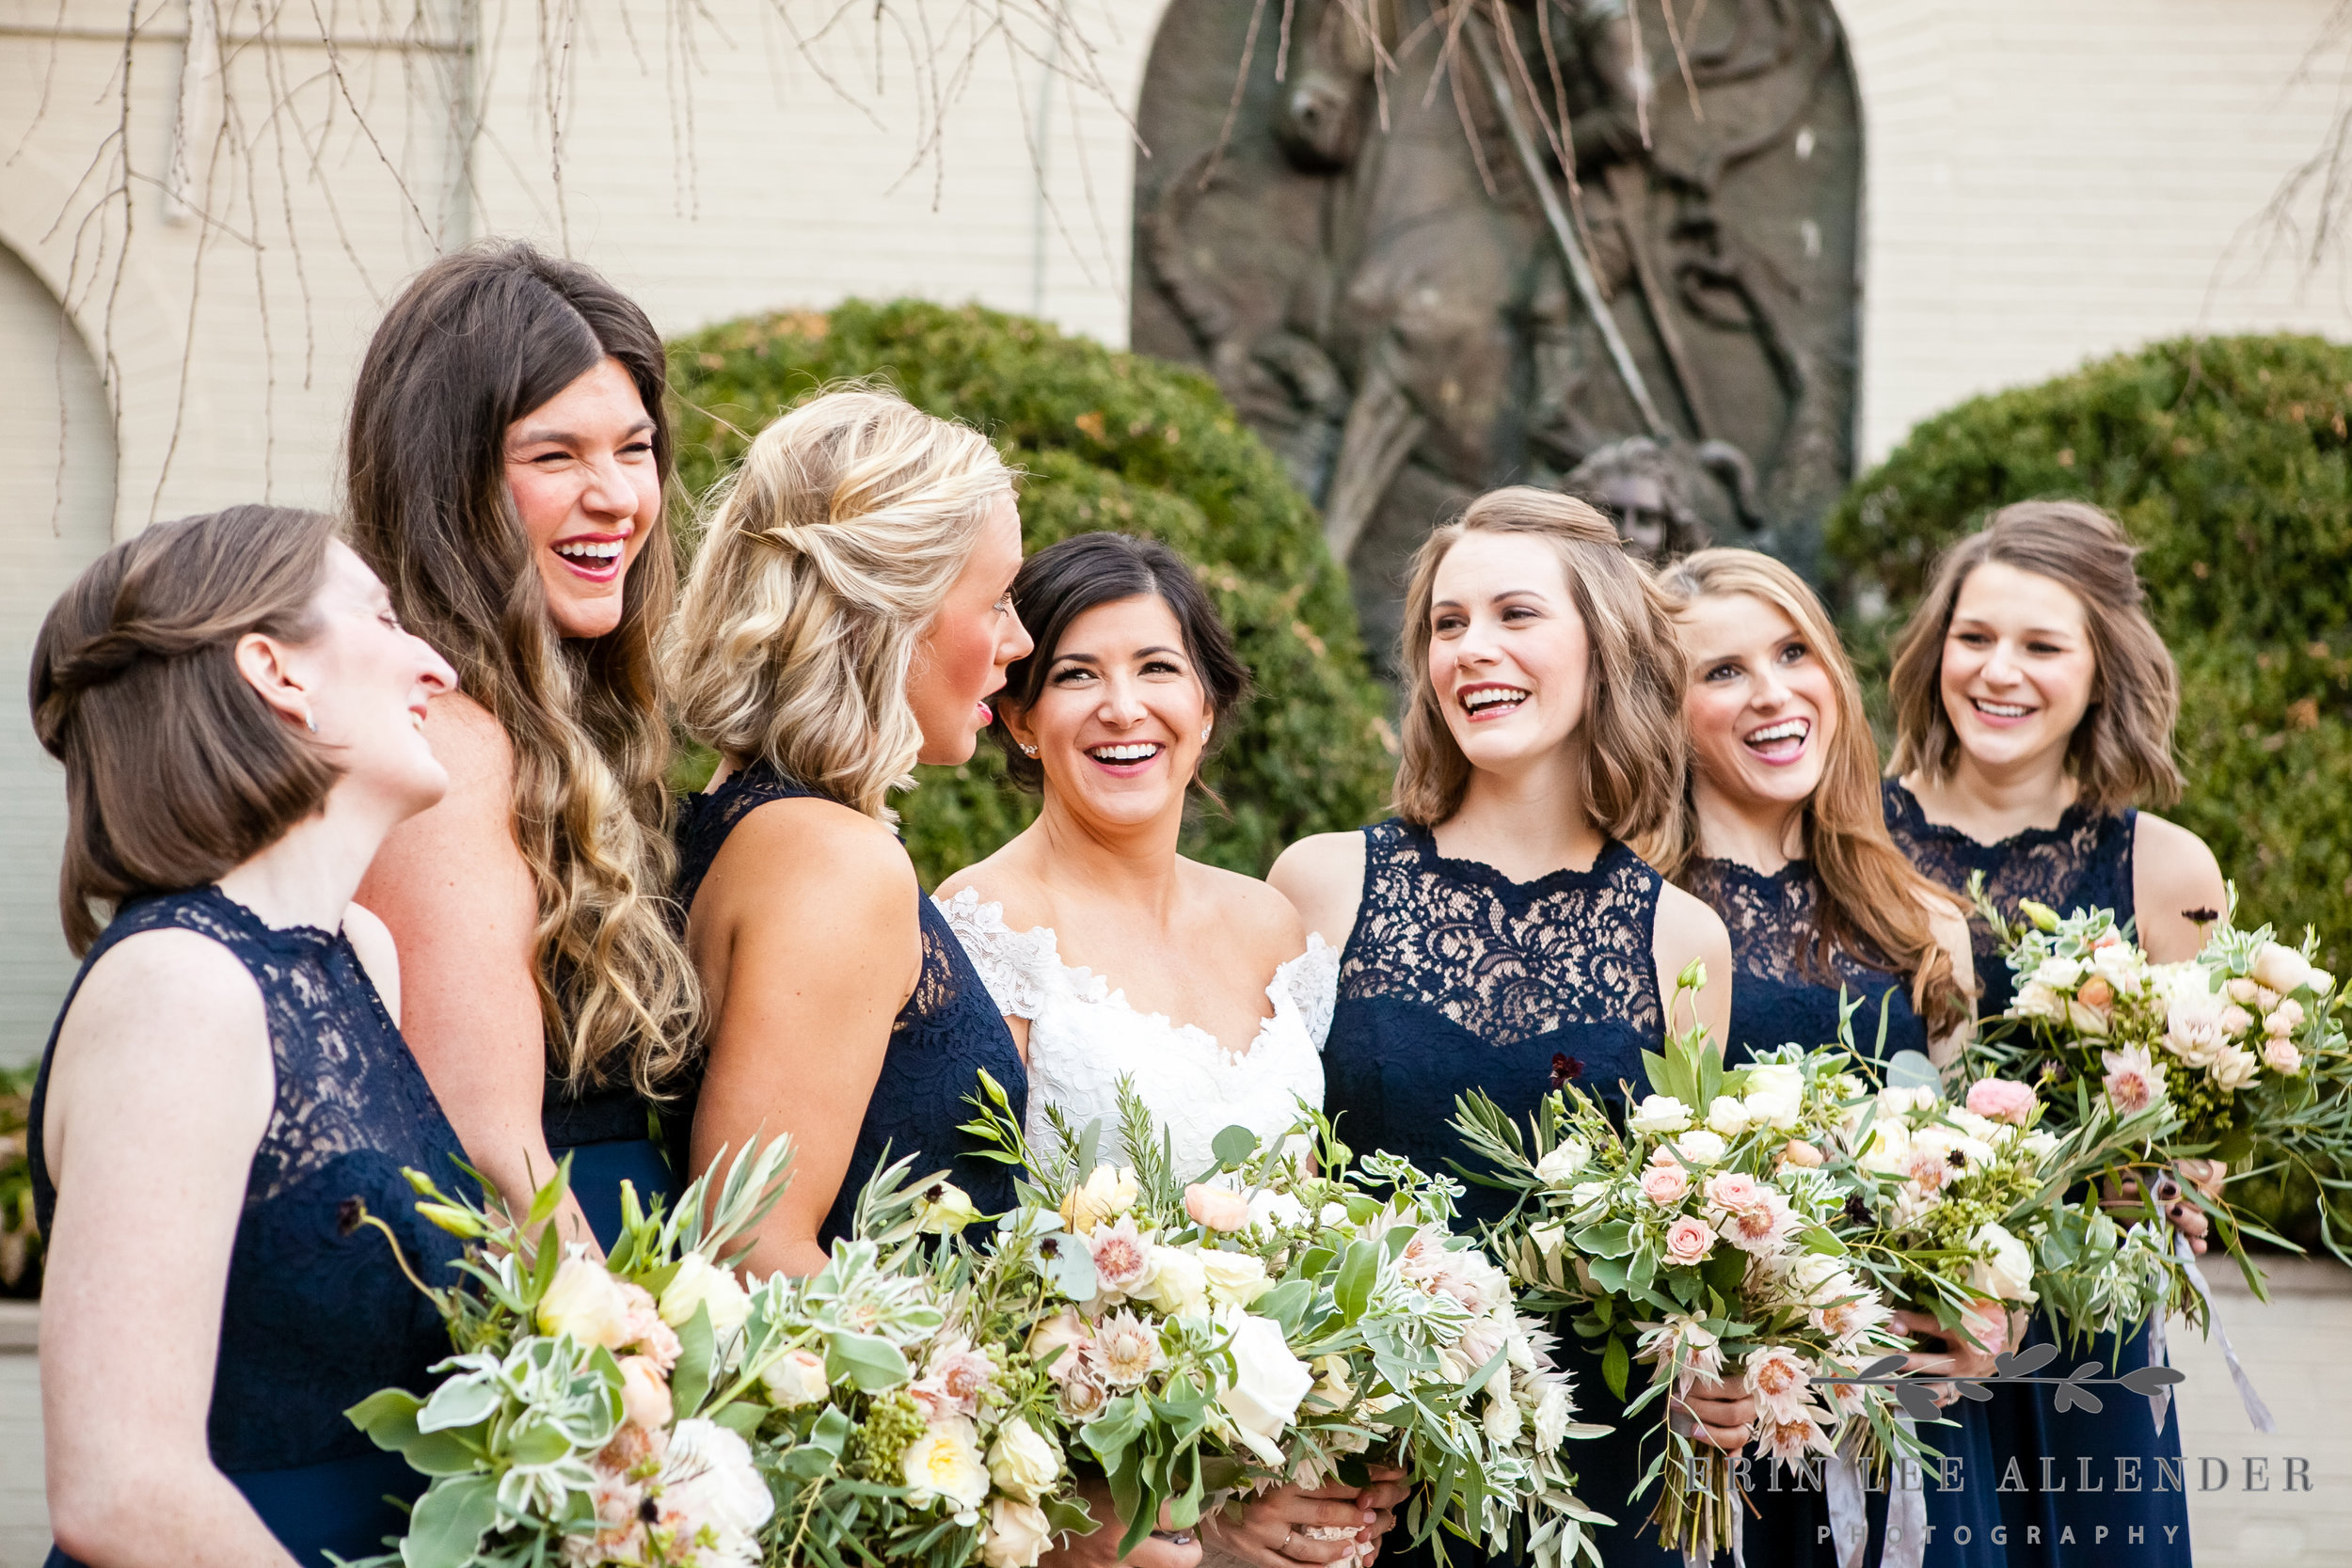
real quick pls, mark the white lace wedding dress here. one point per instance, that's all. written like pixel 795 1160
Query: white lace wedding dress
pixel 1084 1037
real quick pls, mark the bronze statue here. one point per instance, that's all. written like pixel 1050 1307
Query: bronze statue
pixel 1380 256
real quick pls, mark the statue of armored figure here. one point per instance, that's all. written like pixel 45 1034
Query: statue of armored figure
pixel 1559 253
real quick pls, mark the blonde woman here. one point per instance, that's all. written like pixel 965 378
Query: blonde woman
pixel 508 454
pixel 1780 835
pixel 1497 933
pixel 2034 705
pixel 850 615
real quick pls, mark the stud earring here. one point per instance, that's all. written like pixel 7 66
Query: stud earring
pixel 310 722
pixel 1027 750
pixel 1204 732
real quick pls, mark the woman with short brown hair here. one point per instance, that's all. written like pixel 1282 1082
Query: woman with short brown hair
pixel 2034 704
pixel 1498 933
pixel 227 1094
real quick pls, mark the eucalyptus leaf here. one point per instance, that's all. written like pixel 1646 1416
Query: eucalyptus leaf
pixel 449 1522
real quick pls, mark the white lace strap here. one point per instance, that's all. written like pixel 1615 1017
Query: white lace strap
pixel 1017 967
pixel 1310 983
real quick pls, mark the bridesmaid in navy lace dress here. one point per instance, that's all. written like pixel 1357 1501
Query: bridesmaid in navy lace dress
pixel 849 616
pixel 508 454
pixel 1780 835
pixel 2034 703
pixel 1498 933
pixel 226 1093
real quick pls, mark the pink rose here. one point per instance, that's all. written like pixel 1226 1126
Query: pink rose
pixel 1665 1185
pixel 1216 1208
pixel 2282 1057
pixel 1799 1152
pixel 2095 992
pixel 645 1394
pixel 1689 1242
pixel 2001 1100
pixel 1733 1192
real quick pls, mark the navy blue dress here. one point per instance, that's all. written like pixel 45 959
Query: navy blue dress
pixel 2083 862
pixel 1456 978
pixel 608 1133
pixel 317 1316
pixel 948 1033
pixel 1782 992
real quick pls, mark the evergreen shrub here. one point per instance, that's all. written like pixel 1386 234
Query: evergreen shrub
pixel 1107 440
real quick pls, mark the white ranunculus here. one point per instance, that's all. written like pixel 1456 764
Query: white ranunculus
pixel 2036 999
pixel 584 1301
pixel 707 1477
pixel 1889 1152
pixel 1024 1461
pixel 1699 1146
pixel 699 1282
pixel 2006 1272
pixel 945 1464
pixel 1561 1163
pixel 1017 1534
pixel 1268 1383
pixel 1727 1116
pixel 1273 1210
pixel 2281 968
pixel 796 1378
pixel 1554 1413
pixel 1659 1112
pixel 1179 1285
pixel 1233 1279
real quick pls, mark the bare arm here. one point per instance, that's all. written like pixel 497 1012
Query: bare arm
pixel 378 956
pixel 808 937
pixel 159 1094
pixel 1323 877
pixel 2173 874
pixel 1688 929
pixel 1951 934
pixel 457 896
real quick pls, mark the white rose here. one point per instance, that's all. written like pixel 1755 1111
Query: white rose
pixel 1332 1214
pixel 2281 968
pixel 699 1282
pixel 2036 999
pixel 944 1462
pixel 1772 1109
pixel 1700 1147
pixel 1268 1383
pixel 1727 1116
pixel 584 1301
pixel 2285 1018
pixel 1502 1417
pixel 796 1378
pixel 1563 1161
pixel 2058 973
pixel 1024 1461
pixel 2007 1275
pixel 1659 1112
pixel 1273 1210
pixel 707 1476
pixel 1555 1411
pixel 1233 1279
pixel 2321 982
pixel 1889 1153
pixel 1104 1195
pixel 1778 1079
pixel 1017 1534
pixel 1179 1285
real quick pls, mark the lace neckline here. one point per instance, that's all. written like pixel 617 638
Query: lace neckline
pixel 1913 816
pixel 1044 957
pixel 1598 875
pixel 244 916
pixel 1799 869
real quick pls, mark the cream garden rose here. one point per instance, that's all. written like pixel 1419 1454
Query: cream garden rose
pixel 701 1283
pixel 1023 1461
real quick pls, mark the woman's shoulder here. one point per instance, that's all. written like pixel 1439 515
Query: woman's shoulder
pixel 1320 866
pixel 811 841
pixel 1688 926
pixel 1256 915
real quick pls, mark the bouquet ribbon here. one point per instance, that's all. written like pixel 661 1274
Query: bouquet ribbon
pixel 1849 1516
pixel 2158 1351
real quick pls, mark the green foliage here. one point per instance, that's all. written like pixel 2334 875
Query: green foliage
pixel 2227 460
pixel 20 1238
pixel 1107 441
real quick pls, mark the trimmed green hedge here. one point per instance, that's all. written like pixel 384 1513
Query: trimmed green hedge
pixel 2228 461
pixel 1108 441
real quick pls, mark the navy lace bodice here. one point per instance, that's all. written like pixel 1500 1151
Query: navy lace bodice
pixel 317 1315
pixel 1455 977
pixel 946 1034
pixel 2083 862
pixel 1780 992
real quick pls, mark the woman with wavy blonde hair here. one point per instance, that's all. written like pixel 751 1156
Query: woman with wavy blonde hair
pixel 849 616
pixel 1498 933
pixel 508 459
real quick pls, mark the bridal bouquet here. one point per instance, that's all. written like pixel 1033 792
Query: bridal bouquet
pixel 1281 1319
pixel 595 1411
pixel 1706 1237
pixel 2243 1044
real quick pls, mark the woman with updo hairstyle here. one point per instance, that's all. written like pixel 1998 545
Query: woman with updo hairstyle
pixel 1780 833
pixel 1498 933
pixel 2034 705
pixel 849 616
pixel 509 455
pixel 225 1096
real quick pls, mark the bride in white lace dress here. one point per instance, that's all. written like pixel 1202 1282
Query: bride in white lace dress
pixel 1111 955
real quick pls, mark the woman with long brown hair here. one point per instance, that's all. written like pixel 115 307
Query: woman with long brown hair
pixel 509 455
pixel 1498 933
pixel 226 1093
pixel 1780 833
pixel 2034 705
